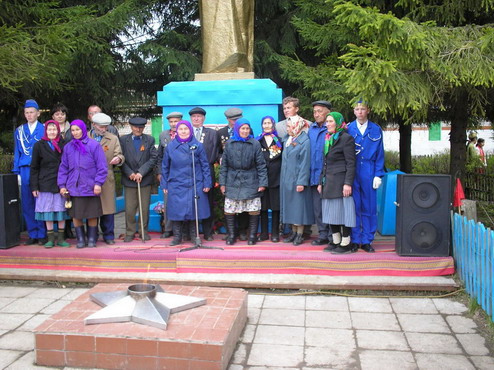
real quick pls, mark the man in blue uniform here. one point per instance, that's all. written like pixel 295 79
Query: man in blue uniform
pixel 369 169
pixel 25 137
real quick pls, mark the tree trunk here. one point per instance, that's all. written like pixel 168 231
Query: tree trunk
pixel 405 146
pixel 458 135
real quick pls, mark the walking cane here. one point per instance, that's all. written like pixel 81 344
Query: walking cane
pixel 140 210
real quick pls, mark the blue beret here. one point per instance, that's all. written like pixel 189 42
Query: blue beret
pixel 197 110
pixel 138 121
pixel 30 103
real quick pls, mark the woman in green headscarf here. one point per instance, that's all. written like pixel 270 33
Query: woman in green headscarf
pixel 335 185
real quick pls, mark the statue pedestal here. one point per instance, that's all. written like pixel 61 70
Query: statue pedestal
pixel 256 97
pixel 224 76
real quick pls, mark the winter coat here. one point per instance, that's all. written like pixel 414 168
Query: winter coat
pixel 177 178
pixel 44 167
pixel 243 169
pixel 111 147
pixel 78 172
pixel 338 167
pixel 142 162
pixel 296 208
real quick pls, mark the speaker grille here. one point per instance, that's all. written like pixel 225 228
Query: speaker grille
pixel 425 195
pixel 425 236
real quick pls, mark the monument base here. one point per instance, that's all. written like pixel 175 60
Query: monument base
pixel 201 338
pixel 224 76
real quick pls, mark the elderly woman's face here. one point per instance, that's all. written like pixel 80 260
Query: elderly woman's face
pixel 267 126
pixel 331 124
pixel 183 132
pixel 51 131
pixel 76 132
pixel 244 131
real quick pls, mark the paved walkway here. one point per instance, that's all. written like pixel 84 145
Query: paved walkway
pixel 297 332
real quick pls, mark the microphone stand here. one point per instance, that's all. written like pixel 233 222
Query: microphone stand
pixel 197 241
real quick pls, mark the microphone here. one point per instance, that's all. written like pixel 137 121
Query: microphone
pixel 193 147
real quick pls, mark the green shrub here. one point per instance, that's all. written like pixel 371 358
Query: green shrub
pixel 431 164
pixel 6 162
pixel 392 160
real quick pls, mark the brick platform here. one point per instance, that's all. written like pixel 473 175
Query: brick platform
pixel 201 338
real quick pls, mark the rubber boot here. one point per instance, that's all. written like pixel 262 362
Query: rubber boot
pixel 92 236
pixel 275 226
pixel 68 230
pixel 177 233
pixel 81 237
pixel 51 239
pixel 253 225
pixel 230 229
pixel 61 240
pixel 264 226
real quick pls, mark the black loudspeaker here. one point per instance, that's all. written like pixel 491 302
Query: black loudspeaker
pixel 10 213
pixel 423 220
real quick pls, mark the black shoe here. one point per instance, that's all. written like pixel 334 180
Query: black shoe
pixel 342 250
pixel 42 241
pixel 128 238
pixel 320 241
pixel 368 248
pixel 330 247
pixel 275 238
pixel 109 241
pixel 299 239
pixel 263 237
pixel 290 238
pixel 31 241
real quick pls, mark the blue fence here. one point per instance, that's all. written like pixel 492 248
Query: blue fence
pixel 473 248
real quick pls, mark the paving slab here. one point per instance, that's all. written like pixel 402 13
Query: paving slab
pixel 330 338
pixel 473 344
pixel 433 343
pixel 292 303
pixel 326 303
pixel 272 334
pixel 483 362
pixel 10 321
pixel 332 358
pixel 423 323
pixel 270 316
pixel 27 305
pixel 369 305
pixel 443 362
pixel 328 319
pixel 413 305
pixel 449 307
pixel 15 291
pixel 379 360
pixel 249 333
pixel 382 340
pixel 17 340
pixel 460 324
pixel 7 357
pixel 275 355
pixel 375 321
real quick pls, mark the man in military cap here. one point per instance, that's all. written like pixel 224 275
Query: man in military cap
pixel 114 157
pixel 140 160
pixel 317 134
pixel 164 139
pixel 231 114
pixel 208 137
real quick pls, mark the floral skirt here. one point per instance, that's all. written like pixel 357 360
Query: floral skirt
pixel 239 206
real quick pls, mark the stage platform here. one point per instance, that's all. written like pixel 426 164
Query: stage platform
pixel 304 266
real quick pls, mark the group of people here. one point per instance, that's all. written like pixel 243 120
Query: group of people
pixel 323 172
pixel 475 152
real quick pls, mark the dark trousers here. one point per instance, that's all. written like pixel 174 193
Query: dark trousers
pixel 107 225
pixel 132 207
pixel 317 204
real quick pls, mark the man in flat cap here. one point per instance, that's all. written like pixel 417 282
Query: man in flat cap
pixel 140 160
pixel 165 138
pixel 94 109
pixel 114 157
pixel 25 137
pixel 208 137
pixel 224 133
pixel 317 134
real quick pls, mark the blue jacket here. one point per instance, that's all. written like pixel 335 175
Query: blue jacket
pixel 78 173
pixel 24 144
pixel 177 178
pixel 316 137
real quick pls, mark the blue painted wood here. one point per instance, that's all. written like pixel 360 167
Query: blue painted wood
pixel 473 250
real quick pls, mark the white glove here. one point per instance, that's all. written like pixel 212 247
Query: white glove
pixel 377 182
pixel 19 181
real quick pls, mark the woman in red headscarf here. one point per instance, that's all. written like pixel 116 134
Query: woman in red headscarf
pixel 50 205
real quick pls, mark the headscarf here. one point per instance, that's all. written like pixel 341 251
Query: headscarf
pixel 331 138
pixel 236 130
pixel 78 143
pixel 191 130
pixel 55 141
pixel 296 124
pixel 273 133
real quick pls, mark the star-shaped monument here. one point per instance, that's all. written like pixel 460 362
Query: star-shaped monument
pixel 146 304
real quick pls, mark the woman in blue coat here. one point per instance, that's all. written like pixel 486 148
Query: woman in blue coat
pixel 295 192
pixel 178 182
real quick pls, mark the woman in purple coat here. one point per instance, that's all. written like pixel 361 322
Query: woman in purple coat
pixel 81 174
